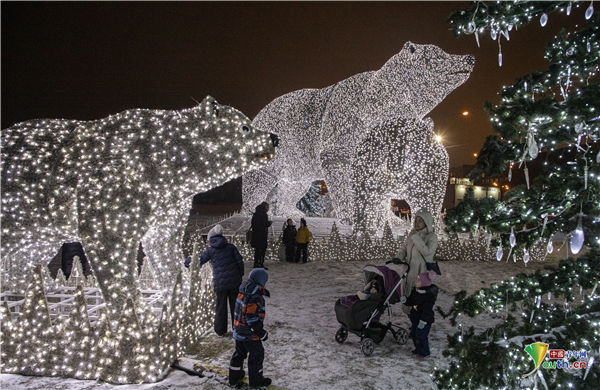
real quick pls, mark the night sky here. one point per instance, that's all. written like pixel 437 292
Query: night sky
pixel 89 60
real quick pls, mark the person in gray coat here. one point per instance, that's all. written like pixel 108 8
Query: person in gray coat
pixel 419 249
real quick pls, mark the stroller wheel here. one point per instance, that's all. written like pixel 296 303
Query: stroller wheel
pixel 366 346
pixel 401 336
pixel 341 335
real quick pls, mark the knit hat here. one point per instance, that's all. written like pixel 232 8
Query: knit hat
pixel 259 276
pixel 425 279
pixel 215 231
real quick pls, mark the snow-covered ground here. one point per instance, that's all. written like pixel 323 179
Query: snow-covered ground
pixel 301 352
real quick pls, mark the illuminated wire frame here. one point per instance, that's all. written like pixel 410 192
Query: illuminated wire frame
pixel 111 184
pixel 366 136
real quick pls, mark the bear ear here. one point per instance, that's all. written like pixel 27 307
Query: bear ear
pixel 409 47
pixel 209 100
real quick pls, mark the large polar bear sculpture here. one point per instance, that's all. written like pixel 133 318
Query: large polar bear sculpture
pixel 324 132
pixel 115 182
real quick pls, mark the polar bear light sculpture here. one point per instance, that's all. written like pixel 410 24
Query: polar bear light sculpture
pixel 322 133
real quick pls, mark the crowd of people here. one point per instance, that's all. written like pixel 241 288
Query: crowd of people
pixel 246 302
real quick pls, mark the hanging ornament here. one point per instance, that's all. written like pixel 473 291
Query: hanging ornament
pixel 543 20
pixel 505 33
pixel 579 127
pixel 598 158
pixel 549 247
pixel 544 225
pixel 477 38
pixel 526 172
pixel 532 146
pixel 569 9
pixel 471 27
pixel 549 295
pixel 510 170
pixel 514 257
pixel 494 34
pixel 512 239
pixel 585 175
pixel 589 11
pixel 589 367
pixel 577 237
pixel 499 253
pixel 589 46
pixel 538 301
pixel 526 256
pixel 500 59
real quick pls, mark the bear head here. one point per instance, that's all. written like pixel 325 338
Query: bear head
pixel 414 81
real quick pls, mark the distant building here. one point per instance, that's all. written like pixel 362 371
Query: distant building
pixel 458 183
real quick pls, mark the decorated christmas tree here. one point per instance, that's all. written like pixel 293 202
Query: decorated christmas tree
pixel 547 119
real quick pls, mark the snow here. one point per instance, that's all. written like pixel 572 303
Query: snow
pixel 301 352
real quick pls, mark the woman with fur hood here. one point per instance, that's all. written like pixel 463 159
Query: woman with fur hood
pixel 419 249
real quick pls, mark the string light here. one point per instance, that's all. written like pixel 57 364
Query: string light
pixel 327 134
pixel 111 184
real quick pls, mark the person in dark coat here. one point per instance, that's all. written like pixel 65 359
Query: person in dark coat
pixel 422 299
pixel 228 270
pixel 260 231
pixel 248 330
pixel 289 240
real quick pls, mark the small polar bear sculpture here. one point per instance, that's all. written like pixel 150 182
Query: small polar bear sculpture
pixel 115 182
pixel 327 134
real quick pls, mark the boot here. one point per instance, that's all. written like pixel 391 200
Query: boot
pixel 263 382
pixel 236 376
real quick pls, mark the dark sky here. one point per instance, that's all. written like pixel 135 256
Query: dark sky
pixel 88 60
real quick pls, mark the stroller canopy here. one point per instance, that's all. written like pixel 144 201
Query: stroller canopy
pixel 390 279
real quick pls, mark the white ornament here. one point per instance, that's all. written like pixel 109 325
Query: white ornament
pixel 500 59
pixel 526 172
pixel 549 247
pixel 589 11
pixel 526 256
pixel 499 253
pixel 512 239
pixel 577 238
pixel 532 146
pixel 380 114
pixel 543 20
pixel 569 9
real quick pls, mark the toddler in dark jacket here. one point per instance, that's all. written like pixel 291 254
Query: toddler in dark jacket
pixel 228 270
pixel 248 330
pixel 422 299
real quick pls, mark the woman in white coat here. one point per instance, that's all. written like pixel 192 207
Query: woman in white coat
pixel 419 249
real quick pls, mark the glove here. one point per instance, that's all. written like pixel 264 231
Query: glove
pixel 421 324
pixel 402 299
pixel 187 262
pixel 265 337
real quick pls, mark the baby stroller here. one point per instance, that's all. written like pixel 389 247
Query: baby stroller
pixel 361 317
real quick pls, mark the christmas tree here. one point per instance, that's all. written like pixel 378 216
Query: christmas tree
pixel 548 118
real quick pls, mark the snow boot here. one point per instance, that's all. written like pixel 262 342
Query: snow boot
pixel 236 376
pixel 263 382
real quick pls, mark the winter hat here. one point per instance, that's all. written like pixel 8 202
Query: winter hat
pixel 425 279
pixel 215 231
pixel 259 276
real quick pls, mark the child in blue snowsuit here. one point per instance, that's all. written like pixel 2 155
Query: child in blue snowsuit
pixel 248 331
pixel 422 299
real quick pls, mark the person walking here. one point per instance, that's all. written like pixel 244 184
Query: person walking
pixel 289 239
pixel 303 237
pixel 228 270
pixel 249 332
pixel 260 231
